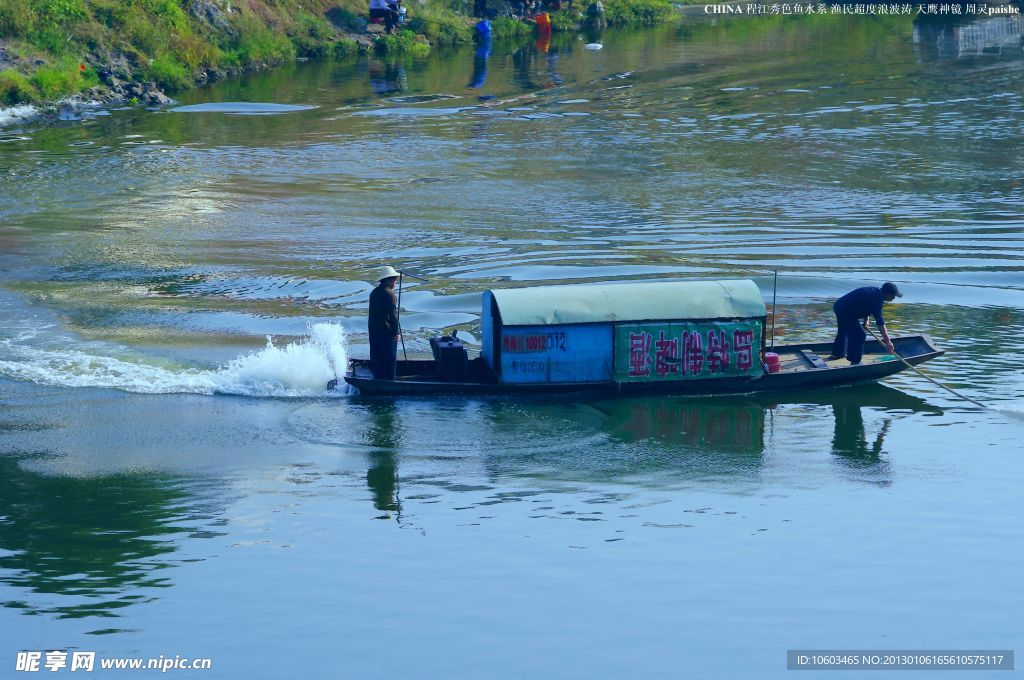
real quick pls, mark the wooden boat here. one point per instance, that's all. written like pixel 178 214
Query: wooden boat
pixel 699 338
pixel 803 368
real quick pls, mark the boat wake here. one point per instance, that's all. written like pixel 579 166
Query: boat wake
pixel 297 369
pixel 1011 413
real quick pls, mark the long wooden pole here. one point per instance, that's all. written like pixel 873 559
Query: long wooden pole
pixel 399 319
pixel 401 275
pixel 775 292
pixel 927 377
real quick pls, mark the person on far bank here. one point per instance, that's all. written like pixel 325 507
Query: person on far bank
pixel 383 325
pixel 380 9
pixel 852 312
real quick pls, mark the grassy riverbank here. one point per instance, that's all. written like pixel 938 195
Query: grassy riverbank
pixel 50 49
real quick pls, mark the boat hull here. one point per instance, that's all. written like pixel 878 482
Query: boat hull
pixel 802 370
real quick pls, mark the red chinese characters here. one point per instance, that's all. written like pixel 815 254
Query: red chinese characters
pixel 666 355
pixel 695 350
pixel 743 343
pixel 694 346
pixel 718 352
pixel 640 355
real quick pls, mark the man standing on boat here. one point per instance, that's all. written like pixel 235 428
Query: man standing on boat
pixel 852 312
pixel 383 325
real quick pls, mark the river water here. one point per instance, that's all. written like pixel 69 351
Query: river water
pixel 178 285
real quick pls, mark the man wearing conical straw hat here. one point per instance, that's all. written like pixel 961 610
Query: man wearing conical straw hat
pixel 383 325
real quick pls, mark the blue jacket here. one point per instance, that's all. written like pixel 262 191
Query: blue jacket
pixel 861 303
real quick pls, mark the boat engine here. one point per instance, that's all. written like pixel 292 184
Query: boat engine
pixel 450 358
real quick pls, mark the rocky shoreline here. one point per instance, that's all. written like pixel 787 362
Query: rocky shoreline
pixel 117 88
pixel 225 41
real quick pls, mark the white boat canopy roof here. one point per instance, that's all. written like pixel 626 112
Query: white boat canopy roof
pixel 634 301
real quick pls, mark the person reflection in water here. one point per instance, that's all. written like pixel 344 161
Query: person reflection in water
pixel 481 55
pixel 382 477
pixel 850 439
pixel 386 78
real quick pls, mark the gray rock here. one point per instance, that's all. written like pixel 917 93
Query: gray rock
pixel 211 13
pixel 66 112
pixel 135 90
pixel 158 99
pixel 6 60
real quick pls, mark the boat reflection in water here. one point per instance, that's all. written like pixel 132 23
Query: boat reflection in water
pixel 664 440
pixel 729 433
pixel 440 445
pixel 698 437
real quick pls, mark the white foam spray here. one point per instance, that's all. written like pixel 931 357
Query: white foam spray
pixel 297 369
pixel 15 114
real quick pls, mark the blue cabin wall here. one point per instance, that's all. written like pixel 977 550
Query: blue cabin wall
pixel 620 351
pixel 605 352
pixel 556 354
pixel 487 324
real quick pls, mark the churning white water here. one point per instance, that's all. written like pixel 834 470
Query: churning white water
pixel 16 114
pixel 297 369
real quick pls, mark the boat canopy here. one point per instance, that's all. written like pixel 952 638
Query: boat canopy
pixel 635 301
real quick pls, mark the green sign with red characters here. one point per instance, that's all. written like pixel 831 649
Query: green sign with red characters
pixel 653 352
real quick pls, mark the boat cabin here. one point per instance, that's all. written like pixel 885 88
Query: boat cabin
pixel 624 332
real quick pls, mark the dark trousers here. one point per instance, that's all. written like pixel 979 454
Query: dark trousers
pixel 850 338
pixel 383 351
pixel 389 15
pixel 480 9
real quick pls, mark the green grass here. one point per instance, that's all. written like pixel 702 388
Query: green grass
pixel 442 26
pixel 311 35
pixel 345 48
pixel 565 20
pixel 636 12
pixel 15 89
pixel 504 28
pixel 167 72
pixel 61 80
pixel 256 43
pixel 159 40
pixel 403 42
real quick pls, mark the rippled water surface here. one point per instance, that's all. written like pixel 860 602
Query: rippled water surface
pixel 174 481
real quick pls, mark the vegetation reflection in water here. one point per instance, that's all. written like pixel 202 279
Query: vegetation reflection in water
pixel 90 547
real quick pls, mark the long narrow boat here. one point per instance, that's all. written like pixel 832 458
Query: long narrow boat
pixel 700 338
